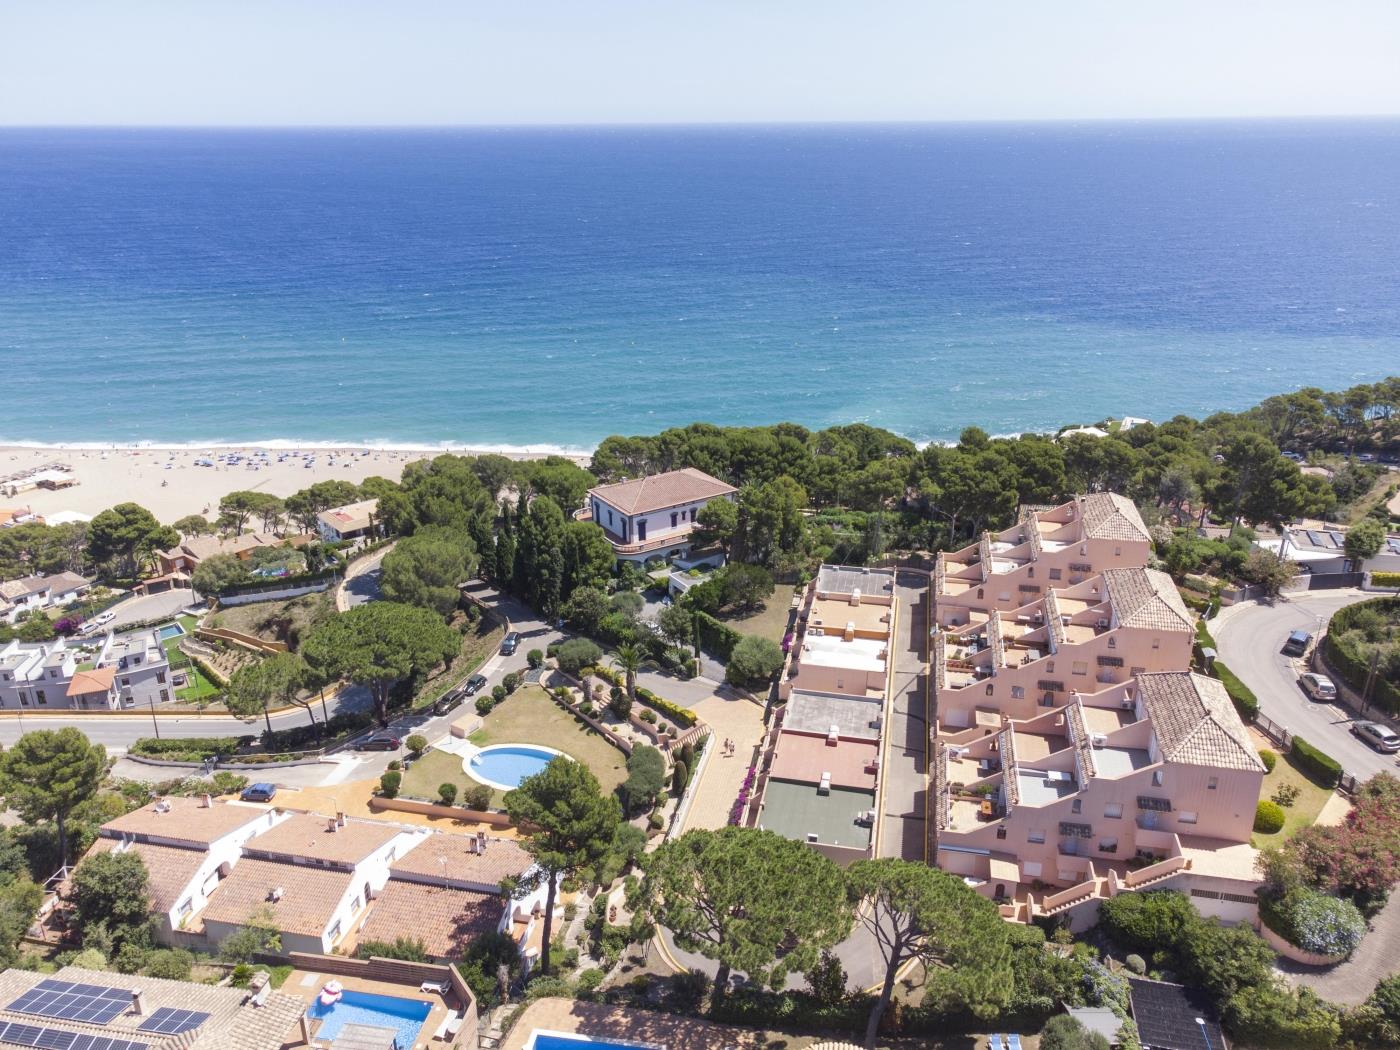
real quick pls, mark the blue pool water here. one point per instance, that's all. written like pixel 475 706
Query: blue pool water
pixel 509 764
pixel 549 1041
pixel 405 1016
pixel 171 630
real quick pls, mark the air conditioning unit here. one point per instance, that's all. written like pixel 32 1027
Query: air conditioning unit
pixel 812 836
pixel 1098 739
pixel 1126 703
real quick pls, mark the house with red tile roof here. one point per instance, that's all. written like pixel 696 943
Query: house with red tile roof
pixel 653 517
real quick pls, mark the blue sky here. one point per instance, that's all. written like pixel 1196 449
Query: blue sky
pixel 659 61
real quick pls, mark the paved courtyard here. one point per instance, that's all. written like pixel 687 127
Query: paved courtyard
pixel 735 719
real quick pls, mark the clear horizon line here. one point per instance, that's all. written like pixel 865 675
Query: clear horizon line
pixel 757 123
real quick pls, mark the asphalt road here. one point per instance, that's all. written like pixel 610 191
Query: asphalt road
pixel 906 738
pixel 149 607
pixel 1251 640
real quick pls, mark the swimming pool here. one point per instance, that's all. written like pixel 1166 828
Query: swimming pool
pixel 504 766
pixel 541 1040
pixel 171 630
pixel 404 1016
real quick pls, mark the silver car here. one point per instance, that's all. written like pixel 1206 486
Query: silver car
pixel 1318 687
pixel 1382 738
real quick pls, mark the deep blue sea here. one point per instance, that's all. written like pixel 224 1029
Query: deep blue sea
pixel 538 287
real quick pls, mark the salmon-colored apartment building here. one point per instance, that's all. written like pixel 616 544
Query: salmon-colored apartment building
pixel 1074 754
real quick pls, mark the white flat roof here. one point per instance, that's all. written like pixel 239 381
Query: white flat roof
pixel 861 654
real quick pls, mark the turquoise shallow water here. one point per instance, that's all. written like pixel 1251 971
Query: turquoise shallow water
pixel 552 286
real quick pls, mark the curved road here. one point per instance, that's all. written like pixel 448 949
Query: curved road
pixel 1251 637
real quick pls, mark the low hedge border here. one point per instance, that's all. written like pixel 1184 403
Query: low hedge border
pixel 1326 769
pixel 1246 703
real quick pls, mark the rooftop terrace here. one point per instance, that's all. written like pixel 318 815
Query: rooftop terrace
pixel 796 811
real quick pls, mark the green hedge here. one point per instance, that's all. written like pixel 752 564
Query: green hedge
pixel 1385 579
pixel 200 746
pixel 1349 666
pixel 682 716
pixel 276 583
pixel 1268 817
pixel 715 637
pixel 1246 703
pixel 1326 769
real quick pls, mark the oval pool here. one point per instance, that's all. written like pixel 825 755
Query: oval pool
pixel 504 766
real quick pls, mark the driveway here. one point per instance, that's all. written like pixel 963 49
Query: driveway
pixel 150 607
pixel 361 583
pixel 906 737
pixel 1251 636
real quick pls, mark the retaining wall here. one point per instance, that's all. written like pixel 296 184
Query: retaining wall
pixel 1294 953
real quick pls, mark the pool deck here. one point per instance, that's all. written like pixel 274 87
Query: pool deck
pixel 305 984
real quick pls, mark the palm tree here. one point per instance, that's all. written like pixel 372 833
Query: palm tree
pixel 627 660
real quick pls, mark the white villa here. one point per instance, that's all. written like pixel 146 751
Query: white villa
pixel 653 517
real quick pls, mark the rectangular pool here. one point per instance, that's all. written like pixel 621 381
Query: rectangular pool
pixel 542 1040
pixel 171 630
pixel 405 1016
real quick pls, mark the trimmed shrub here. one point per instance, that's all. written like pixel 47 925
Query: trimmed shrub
pixel 1316 922
pixel 447 791
pixel 416 744
pixel 1317 764
pixel 534 658
pixel 511 682
pixel 484 704
pixel 1269 758
pixel 1136 963
pixel 682 716
pixel 478 796
pixel 499 693
pixel 389 784
pixel 1385 579
pixel 1268 817
pixel 576 654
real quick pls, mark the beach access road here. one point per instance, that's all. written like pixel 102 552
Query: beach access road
pixel 1251 636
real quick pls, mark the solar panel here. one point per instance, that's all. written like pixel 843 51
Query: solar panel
pixel 19 1034
pixel 89 1003
pixel 170 1021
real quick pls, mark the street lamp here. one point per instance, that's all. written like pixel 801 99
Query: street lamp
pixel 155 723
pixel 1205 1032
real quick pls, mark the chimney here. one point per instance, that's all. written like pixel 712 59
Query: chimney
pixel 331 825
pixel 137 1006
pixel 275 895
pixel 833 735
pixel 471 844
pixel 849 634
pixel 855 596
pixel 481 842
pixel 205 802
pixel 339 819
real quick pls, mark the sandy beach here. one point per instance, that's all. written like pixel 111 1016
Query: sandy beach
pixel 169 482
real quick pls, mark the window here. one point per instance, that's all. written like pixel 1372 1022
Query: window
pixel 1054 574
pixel 1157 778
pixel 1113 811
pixel 1035 836
pixel 39 696
pixel 355 906
pixel 1076 806
pixel 186 906
pixel 126 681
pixel 1112 642
pixel 1212 783
pixel 1050 667
pixel 989 688
pixel 1083 550
pixel 1005 596
pixel 1186 816
pixel 673 519
pixel 165 696
pixel 1118 552
pixel 1108 845
pixel 1031 868
pixel 160 677
pixel 979 591
pixel 1080 667
pixel 1156 643
pixel 334 934
pixel 1001 832
pixel 1030 573
pixel 1018 692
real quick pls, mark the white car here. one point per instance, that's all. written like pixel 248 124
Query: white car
pixel 1318 687
pixel 98 622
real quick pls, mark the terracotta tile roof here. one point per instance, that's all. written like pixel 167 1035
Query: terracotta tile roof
pixel 1147 598
pixel 170 868
pixel 307 835
pixel 96 681
pixel 659 491
pixel 1109 516
pixel 444 855
pixel 185 820
pixel 234 1023
pixel 446 920
pixel 24 586
pixel 309 895
pixel 1195 721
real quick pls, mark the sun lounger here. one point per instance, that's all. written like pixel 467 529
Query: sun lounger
pixel 994 1043
pixel 1013 1041
pixel 436 987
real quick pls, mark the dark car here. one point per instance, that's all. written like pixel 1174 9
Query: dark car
pixel 1297 643
pixel 259 793
pixel 474 684
pixel 448 701
pixel 379 742
pixel 510 643
pixel 1382 738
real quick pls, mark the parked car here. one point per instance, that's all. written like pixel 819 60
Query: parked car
pixel 1318 687
pixel 474 684
pixel 1297 643
pixel 262 792
pixel 1382 738
pixel 510 643
pixel 448 701
pixel 379 742
pixel 98 622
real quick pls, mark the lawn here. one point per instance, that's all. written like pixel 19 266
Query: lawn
pixel 771 621
pixel 528 716
pixel 1303 811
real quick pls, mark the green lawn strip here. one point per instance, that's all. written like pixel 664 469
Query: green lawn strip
pixel 769 622
pixel 1299 815
pixel 434 768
